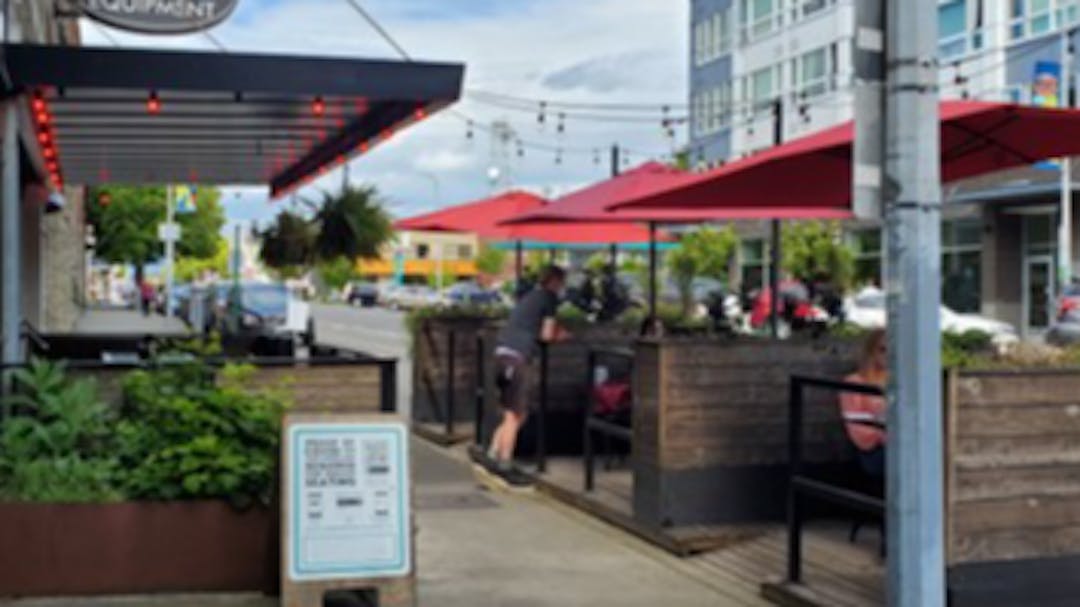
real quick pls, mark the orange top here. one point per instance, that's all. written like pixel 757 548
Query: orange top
pixel 855 406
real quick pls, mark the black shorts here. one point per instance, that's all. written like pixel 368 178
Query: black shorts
pixel 512 380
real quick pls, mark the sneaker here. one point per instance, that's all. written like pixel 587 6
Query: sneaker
pixel 515 479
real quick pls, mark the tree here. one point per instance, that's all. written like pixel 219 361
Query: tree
pixel 490 261
pixel 814 251
pixel 191 268
pixel 336 273
pixel 126 227
pixel 288 246
pixel 704 253
pixel 352 224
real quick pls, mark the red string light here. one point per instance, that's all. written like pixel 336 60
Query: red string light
pixel 153 103
pixel 318 106
pixel 420 113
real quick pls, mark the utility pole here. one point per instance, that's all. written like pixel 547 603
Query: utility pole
pixel 775 260
pixel 912 197
pixel 10 256
pixel 1065 216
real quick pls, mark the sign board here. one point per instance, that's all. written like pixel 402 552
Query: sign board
pixel 169 232
pixel 347 501
pixel 159 16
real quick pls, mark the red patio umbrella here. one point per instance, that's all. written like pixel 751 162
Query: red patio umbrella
pixel 594 205
pixel 976 138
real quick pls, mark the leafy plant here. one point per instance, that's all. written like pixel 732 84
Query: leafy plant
pixel 183 436
pixel 814 251
pixel 491 261
pixel 57 445
pixel 704 253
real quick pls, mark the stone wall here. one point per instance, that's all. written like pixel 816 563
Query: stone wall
pixel 65 264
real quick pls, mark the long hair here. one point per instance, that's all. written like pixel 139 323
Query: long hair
pixel 874 340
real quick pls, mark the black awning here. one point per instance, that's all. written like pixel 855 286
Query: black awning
pixel 140 117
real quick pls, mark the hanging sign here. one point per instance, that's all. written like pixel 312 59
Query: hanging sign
pixel 159 16
pixel 347 508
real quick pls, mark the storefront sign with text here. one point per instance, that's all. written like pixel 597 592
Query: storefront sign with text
pixel 160 16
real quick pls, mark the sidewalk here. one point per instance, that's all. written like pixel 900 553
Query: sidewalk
pixel 481 549
pixel 98 322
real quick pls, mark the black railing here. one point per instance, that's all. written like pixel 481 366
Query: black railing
pixel 801 486
pixel 541 418
pixel 480 391
pixel 451 405
pixel 597 425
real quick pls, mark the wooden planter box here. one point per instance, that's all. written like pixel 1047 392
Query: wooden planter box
pixel 710 426
pixel 1013 487
pixel 135 547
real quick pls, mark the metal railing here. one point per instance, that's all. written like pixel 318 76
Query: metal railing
pixel 801 486
pixel 596 425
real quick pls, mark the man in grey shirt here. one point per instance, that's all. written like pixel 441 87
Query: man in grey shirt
pixel 531 321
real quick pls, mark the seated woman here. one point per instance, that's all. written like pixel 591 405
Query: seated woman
pixel 864 414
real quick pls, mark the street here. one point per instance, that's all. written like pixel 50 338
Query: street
pixel 375 331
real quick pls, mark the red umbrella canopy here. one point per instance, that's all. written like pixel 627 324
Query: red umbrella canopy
pixel 485 218
pixel 815 171
pixel 594 204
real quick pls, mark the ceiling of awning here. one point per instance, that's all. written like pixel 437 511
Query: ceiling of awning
pixel 152 117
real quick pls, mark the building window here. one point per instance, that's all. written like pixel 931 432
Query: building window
pixel 758 17
pixel 813 73
pixel 867 246
pixel 961 265
pixel 761 87
pixel 422 251
pixel 722 32
pixel 1036 17
pixel 752 262
pixel 464 251
pixel 952 28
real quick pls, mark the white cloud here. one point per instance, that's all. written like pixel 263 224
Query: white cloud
pixel 587 51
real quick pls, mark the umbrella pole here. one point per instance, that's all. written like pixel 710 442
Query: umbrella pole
pixel 652 271
pixel 774 281
pixel 518 265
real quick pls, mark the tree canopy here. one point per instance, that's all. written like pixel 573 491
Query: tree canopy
pixel 350 225
pixel 704 253
pixel 490 260
pixel 814 251
pixel 126 226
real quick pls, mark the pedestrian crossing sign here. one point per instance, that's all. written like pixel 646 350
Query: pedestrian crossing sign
pixel 185 198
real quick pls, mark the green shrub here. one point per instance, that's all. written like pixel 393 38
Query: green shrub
pixel 56 447
pixel 183 436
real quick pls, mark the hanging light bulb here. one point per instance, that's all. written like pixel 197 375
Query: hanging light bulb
pixel 596 156
pixel 153 103
pixel 540 118
pixel 469 130
pixel 561 128
pixel 318 106
pixel 558 156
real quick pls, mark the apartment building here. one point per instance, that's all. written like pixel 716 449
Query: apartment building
pixel 763 71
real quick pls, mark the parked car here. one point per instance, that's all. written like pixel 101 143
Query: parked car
pixel 267 309
pixel 470 293
pixel 364 294
pixel 407 297
pixel 867 309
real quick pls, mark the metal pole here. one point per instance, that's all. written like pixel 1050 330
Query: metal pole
pixel 481 385
pixel 774 279
pixel 11 251
pixel 541 419
pixel 615 160
pixel 652 271
pixel 451 389
pixel 795 423
pixel 914 487
pixel 774 263
pixel 1065 218
pixel 519 265
pixel 170 248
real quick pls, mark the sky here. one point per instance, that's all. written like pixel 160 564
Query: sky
pixel 603 51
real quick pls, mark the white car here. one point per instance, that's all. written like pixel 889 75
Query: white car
pixel 866 309
pixel 409 297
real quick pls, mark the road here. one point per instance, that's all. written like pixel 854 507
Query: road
pixel 376 331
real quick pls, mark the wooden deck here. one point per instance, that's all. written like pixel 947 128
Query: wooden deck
pixel 746 563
